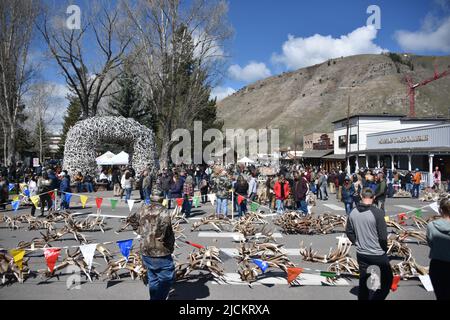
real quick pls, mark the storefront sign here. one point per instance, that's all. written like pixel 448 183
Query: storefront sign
pixel 405 139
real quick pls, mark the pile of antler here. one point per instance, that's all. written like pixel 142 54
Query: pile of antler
pixel 76 259
pixel 409 268
pixel 434 196
pixel 133 265
pixel 294 223
pixel 216 222
pixel 340 252
pixel 250 224
pixel 88 224
pixel 12 222
pixel 270 253
pixel 206 259
pixel 402 194
pixel 345 265
pixel 403 233
pixel 398 248
pixel 9 268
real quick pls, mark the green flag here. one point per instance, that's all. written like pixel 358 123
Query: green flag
pixel 418 213
pixel 254 207
pixel 113 203
pixel 328 274
pixel 196 201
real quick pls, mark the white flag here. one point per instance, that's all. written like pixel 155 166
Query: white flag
pixel 212 198
pixel 131 204
pixel 435 207
pixel 426 281
pixel 88 251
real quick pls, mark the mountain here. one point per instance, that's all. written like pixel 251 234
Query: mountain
pixel 309 99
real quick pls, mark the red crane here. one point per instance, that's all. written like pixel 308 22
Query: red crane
pixel 412 88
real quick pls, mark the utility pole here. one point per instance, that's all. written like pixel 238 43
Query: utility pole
pixel 347 163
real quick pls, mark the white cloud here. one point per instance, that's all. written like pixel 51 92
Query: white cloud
pixel 302 52
pixel 433 36
pixel 251 72
pixel 222 92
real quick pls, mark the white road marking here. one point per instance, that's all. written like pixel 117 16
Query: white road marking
pixel 304 280
pixel 233 252
pixel 334 207
pixel 408 207
pixel 205 234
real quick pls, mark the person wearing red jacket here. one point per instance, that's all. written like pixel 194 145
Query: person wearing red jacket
pixel 281 190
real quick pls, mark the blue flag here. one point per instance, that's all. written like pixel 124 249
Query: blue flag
pixel 125 247
pixel 68 197
pixel 263 265
pixel 11 186
pixel 27 192
pixel 147 201
pixel 15 205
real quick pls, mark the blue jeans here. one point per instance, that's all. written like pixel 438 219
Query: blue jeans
pixel 161 276
pixel 64 203
pixel 390 190
pixel 147 194
pixel 127 194
pixel 301 206
pixel 409 187
pixel 348 207
pixel 80 187
pixel 280 206
pixel 242 208
pixel 221 206
pixel 89 186
pixel 416 190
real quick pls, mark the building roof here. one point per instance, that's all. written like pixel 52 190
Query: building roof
pixel 386 115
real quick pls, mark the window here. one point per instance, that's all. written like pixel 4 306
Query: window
pixel 353 139
pixel 342 142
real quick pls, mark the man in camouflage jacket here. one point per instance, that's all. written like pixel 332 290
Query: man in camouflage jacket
pixel 221 185
pixel 154 225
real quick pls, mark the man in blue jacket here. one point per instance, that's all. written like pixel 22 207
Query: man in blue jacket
pixel 64 188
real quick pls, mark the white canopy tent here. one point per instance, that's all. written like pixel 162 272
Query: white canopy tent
pixel 246 160
pixel 120 159
pixel 105 159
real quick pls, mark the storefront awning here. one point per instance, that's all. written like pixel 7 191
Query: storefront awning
pixel 316 154
pixel 335 157
pixel 437 150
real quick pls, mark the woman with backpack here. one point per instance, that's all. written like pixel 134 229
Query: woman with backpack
pixel 241 189
pixel 188 193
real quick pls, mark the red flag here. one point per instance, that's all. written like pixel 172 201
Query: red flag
pixel 401 218
pixel 98 201
pixel 198 246
pixel 293 273
pixel 51 256
pixel 240 199
pixel 52 195
pixel 395 282
pixel 180 202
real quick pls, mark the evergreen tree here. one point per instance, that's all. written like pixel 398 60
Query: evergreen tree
pixel 73 114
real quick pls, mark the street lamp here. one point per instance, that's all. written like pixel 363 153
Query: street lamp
pixel 347 138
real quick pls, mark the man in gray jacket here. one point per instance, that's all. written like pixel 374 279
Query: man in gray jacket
pixel 367 230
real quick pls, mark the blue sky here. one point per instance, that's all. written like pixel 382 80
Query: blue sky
pixel 275 36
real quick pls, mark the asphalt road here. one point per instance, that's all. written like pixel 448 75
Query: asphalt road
pixel 272 285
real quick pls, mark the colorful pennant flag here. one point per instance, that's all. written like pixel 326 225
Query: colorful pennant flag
pixel 435 207
pixel 52 195
pixel 125 247
pixel 68 197
pixel 147 201
pixel 27 192
pixel 113 203
pixel 198 246
pixel 88 251
pixel 263 265
pixel 131 204
pixel 179 202
pixel 11 186
pixel 328 274
pixel 293 273
pixel 15 205
pixel 35 200
pixel 401 218
pixel 240 199
pixel 212 198
pixel 395 282
pixel 196 201
pixel 165 203
pixel 83 200
pixel 254 207
pixel 51 256
pixel 98 202
pixel 418 213
pixel 18 255
pixel 386 218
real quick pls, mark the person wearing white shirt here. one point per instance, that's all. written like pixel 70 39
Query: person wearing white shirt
pixel 252 186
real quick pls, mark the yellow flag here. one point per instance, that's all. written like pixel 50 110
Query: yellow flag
pixel 83 200
pixel 35 200
pixel 15 198
pixel 165 202
pixel 386 218
pixel 18 256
